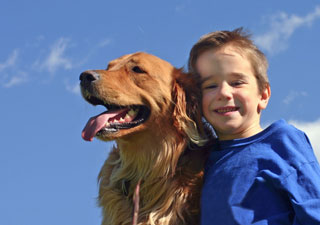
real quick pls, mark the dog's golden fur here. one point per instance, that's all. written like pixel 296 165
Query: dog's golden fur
pixel 157 151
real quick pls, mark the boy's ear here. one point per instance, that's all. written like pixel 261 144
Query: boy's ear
pixel 265 96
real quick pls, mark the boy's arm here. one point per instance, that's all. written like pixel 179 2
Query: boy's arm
pixel 304 188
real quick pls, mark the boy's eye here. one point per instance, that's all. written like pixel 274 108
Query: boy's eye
pixel 236 83
pixel 209 86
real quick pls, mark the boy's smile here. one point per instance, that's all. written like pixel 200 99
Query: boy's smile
pixel 231 99
pixel 226 110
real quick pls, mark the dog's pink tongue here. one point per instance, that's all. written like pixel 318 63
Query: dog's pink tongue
pixel 94 125
pixel 98 122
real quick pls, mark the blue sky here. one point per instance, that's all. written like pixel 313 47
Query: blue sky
pixel 48 173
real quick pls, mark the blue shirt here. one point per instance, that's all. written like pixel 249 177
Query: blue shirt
pixel 270 178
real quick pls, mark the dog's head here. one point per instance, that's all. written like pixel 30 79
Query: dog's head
pixel 141 93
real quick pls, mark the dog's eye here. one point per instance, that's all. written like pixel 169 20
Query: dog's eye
pixel 137 69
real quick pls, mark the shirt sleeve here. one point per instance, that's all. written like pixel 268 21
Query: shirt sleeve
pixel 303 186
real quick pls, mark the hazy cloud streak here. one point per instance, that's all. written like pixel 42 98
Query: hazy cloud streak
pixel 56 58
pixel 73 88
pixel 10 67
pixel 16 69
pixel 10 62
pixel 22 77
pixel 105 43
pixel 293 95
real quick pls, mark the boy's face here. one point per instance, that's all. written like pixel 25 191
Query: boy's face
pixel 231 99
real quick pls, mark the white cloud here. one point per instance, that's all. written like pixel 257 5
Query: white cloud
pixel 282 27
pixel 10 62
pixel 293 95
pixel 312 129
pixel 22 77
pixel 16 69
pixel 56 58
pixel 9 73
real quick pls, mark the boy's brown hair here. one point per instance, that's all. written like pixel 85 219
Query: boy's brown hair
pixel 239 39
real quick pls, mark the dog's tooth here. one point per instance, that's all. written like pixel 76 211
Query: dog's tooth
pixel 107 124
pixel 121 120
pixel 115 121
pixel 132 112
pixel 127 118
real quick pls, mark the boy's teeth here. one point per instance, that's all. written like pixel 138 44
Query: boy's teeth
pixel 226 110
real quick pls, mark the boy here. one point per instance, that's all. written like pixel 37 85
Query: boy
pixel 253 176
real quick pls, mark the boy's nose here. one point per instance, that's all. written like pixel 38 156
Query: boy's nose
pixel 225 91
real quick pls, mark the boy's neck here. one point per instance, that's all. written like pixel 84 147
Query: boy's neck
pixel 249 132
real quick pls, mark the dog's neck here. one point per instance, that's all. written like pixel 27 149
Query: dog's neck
pixel 151 156
pixel 154 160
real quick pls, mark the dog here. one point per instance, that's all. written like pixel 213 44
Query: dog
pixel 154 173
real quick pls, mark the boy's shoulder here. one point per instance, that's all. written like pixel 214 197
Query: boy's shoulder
pixel 281 129
pixel 290 142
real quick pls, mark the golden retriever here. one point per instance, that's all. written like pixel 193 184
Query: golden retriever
pixel 152 109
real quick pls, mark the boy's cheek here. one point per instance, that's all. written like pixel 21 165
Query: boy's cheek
pixel 205 103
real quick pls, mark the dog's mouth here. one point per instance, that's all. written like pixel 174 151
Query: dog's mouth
pixel 117 117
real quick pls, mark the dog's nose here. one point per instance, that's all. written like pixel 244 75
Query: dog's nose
pixel 87 77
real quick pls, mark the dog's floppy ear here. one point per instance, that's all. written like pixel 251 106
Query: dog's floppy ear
pixel 186 95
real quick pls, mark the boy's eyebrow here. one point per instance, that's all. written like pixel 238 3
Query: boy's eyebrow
pixel 237 75
pixel 204 79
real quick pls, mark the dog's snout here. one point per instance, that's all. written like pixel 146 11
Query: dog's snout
pixel 87 77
